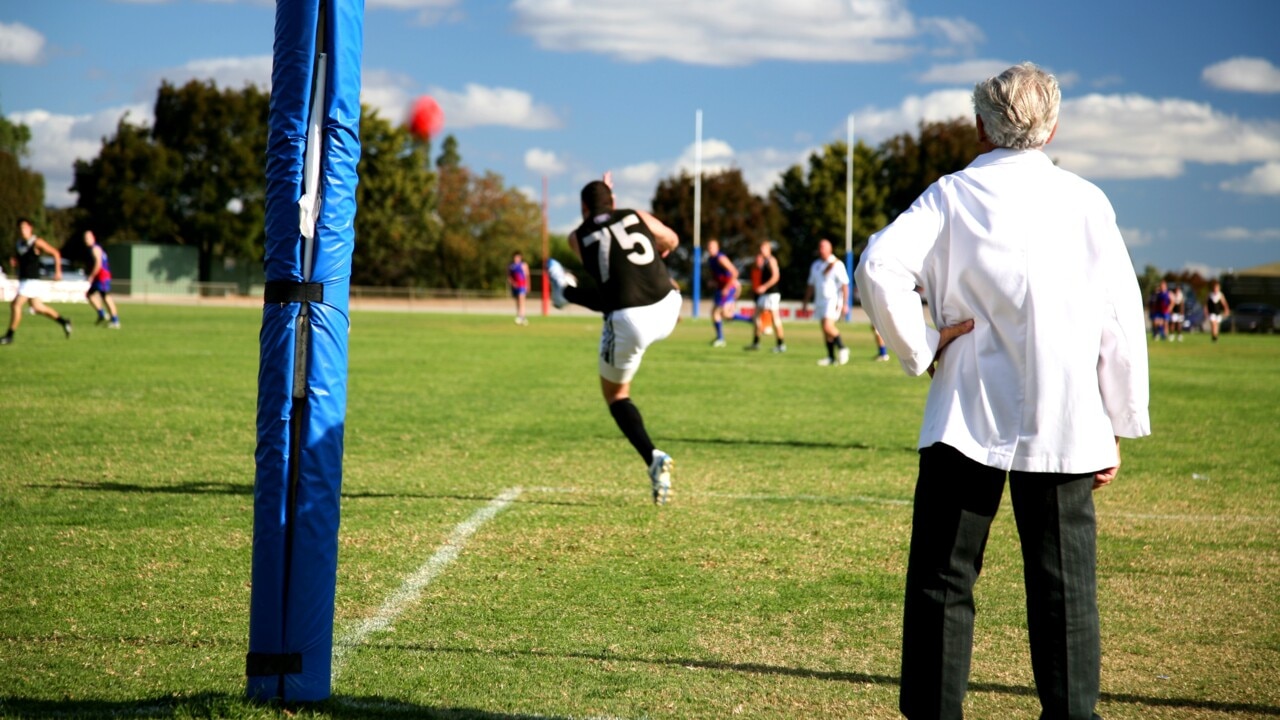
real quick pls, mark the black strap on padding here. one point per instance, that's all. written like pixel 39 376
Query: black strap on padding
pixel 288 291
pixel 258 664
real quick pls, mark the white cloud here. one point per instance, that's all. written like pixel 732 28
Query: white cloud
pixel 542 161
pixel 1136 237
pixel 717 155
pixel 873 125
pixel 761 168
pixel 57 141
pixel 959 35
pixel 964 73
pixel 1118 136
pixel 430 12
pixel 634 185
pixel 1263 180
pixel 1131 136
pixel 480 105
pixel 1244 74
pixel 737 32
pixel 20 44
pixel 411 4
pixel 645 173
pixel 390 94
pixel 1067 79
pixel 968 72
pixel 1241 234
pixel 226 72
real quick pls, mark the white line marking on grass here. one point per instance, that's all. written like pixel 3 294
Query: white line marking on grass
pixel 413 586
pixel 870 500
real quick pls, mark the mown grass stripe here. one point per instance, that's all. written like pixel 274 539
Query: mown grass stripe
pixel 870 500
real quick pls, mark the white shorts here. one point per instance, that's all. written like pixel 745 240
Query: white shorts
pixel 1215 317
pixel 1175 317
pixel 34 289
pixel 769 301
pixel 826 310
pixel 630 331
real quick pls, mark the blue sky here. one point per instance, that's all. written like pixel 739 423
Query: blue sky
pixel 1172 107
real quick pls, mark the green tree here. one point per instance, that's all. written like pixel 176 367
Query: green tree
pixel 124 192
pixel 219 140
pixel 21 189
pixel 812 202
pixel 483 222
pixel 449 156
pixel 730 214
pixel 194 178
pixel 911 163
pixel 14 138
pixel 396 230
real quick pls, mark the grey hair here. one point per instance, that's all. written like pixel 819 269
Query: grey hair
pixel 1018 107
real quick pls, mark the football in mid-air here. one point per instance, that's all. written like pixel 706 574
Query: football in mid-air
pixel 426 119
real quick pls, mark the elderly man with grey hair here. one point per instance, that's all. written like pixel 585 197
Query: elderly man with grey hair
pixel 1034 299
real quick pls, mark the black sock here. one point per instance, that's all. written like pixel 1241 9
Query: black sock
pixel 627 415
pixel 831 350
pixel 780 341
pixel 587 297
pixel 838 342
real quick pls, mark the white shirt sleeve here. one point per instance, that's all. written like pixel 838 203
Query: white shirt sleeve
pixel 1122 355
pixel 888 273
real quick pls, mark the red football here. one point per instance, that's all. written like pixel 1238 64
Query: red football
pixel 426 119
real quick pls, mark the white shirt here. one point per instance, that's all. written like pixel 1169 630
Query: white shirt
pixel 829 279
pixel 1056 364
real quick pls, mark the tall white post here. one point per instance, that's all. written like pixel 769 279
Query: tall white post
pixel 848 220
pixel 697 213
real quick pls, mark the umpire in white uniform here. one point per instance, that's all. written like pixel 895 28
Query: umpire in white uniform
pixel 1031 385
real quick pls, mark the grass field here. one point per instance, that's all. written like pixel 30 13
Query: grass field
pixel 770 587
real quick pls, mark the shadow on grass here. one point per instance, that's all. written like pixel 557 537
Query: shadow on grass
pixel 793 443
pixel 226 488
pixel 354 707
pixel 225 705
pixel 852 677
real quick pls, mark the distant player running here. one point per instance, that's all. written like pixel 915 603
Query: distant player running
pixel 1161 303
pixel 829 290
pixel 31 289
pixel 622 252
pixel 725 275
pixel 768 299
pixel 99 293
pixel 1218 308
pixel 518 280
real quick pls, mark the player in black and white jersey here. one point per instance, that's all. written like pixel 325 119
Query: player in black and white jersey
pixel 31 289
pixel 622 251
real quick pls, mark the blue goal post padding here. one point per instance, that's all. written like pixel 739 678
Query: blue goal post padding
pixel 304 326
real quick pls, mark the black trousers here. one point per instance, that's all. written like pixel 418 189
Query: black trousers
pixel 956 499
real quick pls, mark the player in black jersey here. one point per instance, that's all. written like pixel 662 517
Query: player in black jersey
pixel 30 287
pixel 622 251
